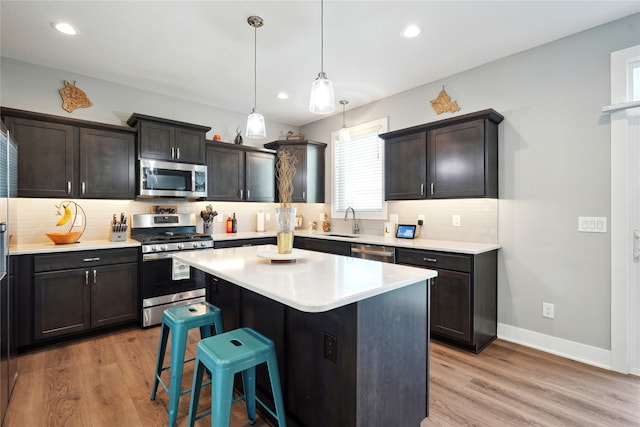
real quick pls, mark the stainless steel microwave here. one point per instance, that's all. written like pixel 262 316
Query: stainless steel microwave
pixel 168 179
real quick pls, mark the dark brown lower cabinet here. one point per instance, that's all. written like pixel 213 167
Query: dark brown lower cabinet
pixel 62 294
pixel 364 364
pixel 463 296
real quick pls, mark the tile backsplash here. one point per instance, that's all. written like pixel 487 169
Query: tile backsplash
pixel 478 217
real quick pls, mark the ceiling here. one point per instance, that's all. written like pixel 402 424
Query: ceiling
pixel 203 50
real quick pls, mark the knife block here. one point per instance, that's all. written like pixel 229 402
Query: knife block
pixel 118 236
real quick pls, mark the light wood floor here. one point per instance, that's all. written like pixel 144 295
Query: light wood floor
pixel 106 381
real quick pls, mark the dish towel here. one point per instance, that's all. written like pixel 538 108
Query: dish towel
pixel 179 270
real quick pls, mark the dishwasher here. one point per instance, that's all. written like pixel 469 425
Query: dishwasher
pixel 374 252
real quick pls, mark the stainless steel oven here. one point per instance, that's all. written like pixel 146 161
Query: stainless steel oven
pixel 166 282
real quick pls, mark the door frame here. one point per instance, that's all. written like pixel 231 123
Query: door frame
pixel 625 187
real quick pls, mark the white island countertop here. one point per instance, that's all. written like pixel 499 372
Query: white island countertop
pixel 316 282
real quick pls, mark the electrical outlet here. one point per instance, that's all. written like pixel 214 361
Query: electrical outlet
pixel 393 218
pixel 330 348
pixel 547 310
pixel 267 216
pixel 456 220
pixel 219 218
pixel 421 218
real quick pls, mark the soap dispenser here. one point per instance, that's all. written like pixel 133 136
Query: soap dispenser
pixel 234 224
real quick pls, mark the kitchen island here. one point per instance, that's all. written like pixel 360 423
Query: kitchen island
pixel 351 334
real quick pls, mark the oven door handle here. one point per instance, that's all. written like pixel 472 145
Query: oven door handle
pixel 153 257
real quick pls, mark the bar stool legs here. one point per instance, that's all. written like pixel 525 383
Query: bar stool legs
pixel 178 321
pixel 240 350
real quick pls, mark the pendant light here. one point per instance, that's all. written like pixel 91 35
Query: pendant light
pixel 255 121
pixel 322 100
pixel 345 135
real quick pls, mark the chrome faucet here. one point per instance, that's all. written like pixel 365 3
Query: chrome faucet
pixel 354 226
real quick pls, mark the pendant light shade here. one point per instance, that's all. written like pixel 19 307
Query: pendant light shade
pixel 322 100
pixel 345 135
pixel 255 121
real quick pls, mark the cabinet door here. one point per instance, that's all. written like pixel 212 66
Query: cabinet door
pixel 225 173
pixel 114 294
pixel 189 146
pixel 267 317
pixel 107 164
pixel 46 158
pixel 156 141
pixel 456 165
pixel 405 167
pixel 451 305
pixel 260 172
pixel 300 178
pixel 226 296
pixel 61 303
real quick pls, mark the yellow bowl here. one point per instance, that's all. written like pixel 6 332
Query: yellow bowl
pixel 63 238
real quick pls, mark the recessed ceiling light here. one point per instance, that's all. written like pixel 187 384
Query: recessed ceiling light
pixel 64 28
pixel 411 31
pixel 282 95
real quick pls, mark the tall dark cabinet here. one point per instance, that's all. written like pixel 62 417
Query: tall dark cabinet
pixel 308 181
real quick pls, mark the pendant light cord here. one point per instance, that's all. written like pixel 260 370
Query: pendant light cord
pixel 322 36
pixel 255 68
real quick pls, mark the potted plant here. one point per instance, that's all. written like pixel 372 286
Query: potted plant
pixel 285 215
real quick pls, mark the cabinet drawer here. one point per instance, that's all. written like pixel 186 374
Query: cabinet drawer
pixel 67 260
pixel 432 259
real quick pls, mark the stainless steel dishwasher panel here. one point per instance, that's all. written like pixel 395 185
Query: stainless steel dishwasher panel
pixel 374 252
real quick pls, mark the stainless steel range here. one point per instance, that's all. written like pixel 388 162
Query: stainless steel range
pixel 166 282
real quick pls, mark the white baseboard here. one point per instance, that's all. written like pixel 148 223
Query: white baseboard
pixel 571 350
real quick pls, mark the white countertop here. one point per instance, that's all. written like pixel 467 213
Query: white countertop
pixel 82 245
pixel 472 248
pixel 318 282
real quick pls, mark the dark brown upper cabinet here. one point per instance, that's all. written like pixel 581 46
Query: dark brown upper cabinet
pixel 239 173
pixel 61 157
pixel 169 140
pixel 451 158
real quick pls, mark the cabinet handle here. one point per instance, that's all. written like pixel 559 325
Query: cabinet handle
pixel 83 187
pixel 241 194
pixel 422 189
pixel 178 153
pixel 248 194
pixel 91 259
pixel 304 195
pixel 432 188
pixel 173 153
pixel 430 259
pixel 68 187
pixel 95 276
pixel 86 277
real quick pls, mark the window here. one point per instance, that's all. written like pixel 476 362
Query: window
pixel 358 171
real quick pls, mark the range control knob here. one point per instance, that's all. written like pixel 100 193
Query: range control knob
pixel 163 247
pixel 195 244
pixel 203 244
pixel 180 246
pixel 154 248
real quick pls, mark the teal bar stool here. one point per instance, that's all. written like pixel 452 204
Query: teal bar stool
pixel 224 355
pixel 179 320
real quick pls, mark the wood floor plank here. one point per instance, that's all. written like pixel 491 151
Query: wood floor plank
pixel 107 380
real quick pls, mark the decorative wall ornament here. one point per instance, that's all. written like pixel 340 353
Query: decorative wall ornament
pixel 443 103
pixel 73 97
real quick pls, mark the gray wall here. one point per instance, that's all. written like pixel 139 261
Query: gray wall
pixel 554 166
pixel 34 88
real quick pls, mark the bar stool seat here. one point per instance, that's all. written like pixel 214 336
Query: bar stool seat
pixel 179 320
pixel 224 355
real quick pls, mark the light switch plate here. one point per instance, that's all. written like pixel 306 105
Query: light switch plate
pixel 393 218
pixel 592 224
